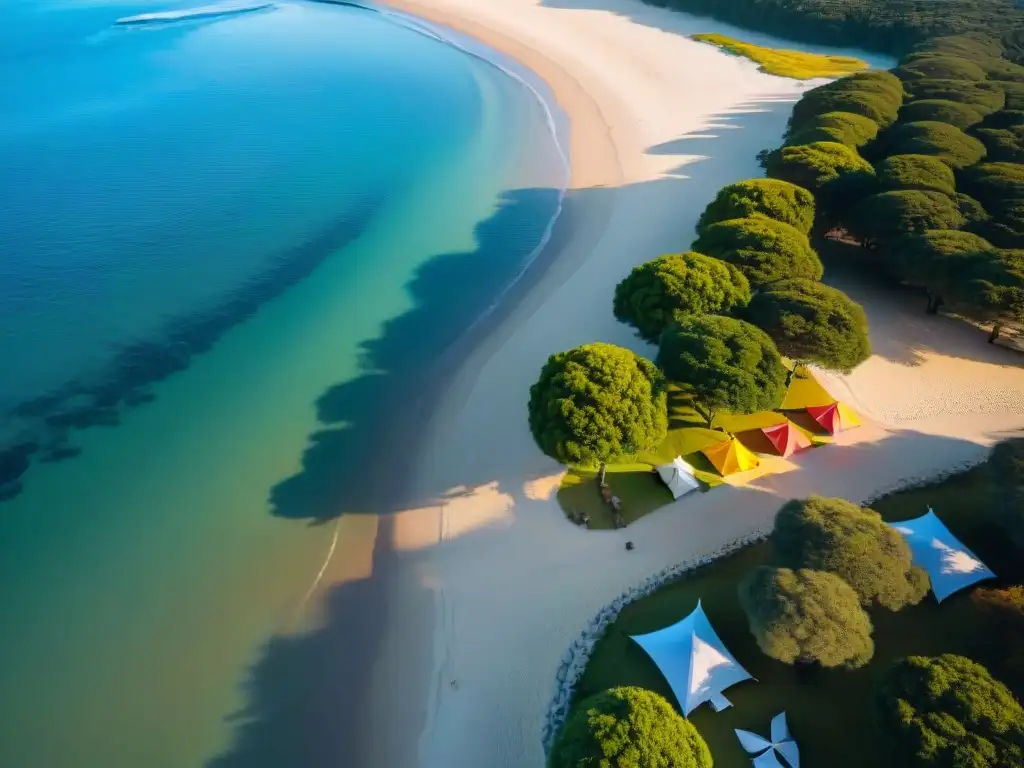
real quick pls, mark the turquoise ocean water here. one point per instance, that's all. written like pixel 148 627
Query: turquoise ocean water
pixel 229 243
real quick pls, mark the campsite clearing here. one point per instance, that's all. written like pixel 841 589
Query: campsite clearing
pixel 829 710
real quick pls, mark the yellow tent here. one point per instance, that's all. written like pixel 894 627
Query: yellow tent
pixel 730 457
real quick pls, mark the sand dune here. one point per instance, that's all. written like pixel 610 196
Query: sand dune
pixel 659 124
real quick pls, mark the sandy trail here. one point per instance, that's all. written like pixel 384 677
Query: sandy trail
pixel 659 124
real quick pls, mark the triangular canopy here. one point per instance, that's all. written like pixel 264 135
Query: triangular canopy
pixel 834 417
pixel 730 457
pixel 678 476
pixel 695 662
pixel 951 566
pixel 786 438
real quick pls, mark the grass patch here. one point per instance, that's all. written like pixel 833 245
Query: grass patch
pixel 784 62
pixel 636 483
pixel 829 711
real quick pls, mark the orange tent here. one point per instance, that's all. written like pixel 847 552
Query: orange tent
pixel 834 417
pixel 730 457
pixel 786 438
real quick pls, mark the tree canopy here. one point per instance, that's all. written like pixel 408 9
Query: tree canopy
pixel 1002 617
pixel 887 216
pixel 1002 144
pixel 986 97
pixel 916 172
pixel 852 542
pixel 771 198
pixel 947 142
pixel 935 259
pixel 624 727
pixel 991 289
pixel 690 282
pixel 948 711
pixel 995 185
pixel 764 250
pixel 595 402
pixel 806 616
pixel 849 129
pixel 726 363
pixel 815 165
pixel 942 66
pixel 941 111
pixel 812 323
pixel 874 94
pixel 1006 477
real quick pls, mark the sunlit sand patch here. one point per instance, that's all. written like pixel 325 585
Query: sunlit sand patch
pixel 543 488
pixel 462 510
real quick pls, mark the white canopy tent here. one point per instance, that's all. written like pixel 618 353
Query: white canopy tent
pixel 781 742
pixel 678 476
pixel 951 566
pixel 694 661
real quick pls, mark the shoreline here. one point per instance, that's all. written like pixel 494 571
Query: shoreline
pixel 483 554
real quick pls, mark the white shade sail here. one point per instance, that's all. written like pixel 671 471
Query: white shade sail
pixel 678 476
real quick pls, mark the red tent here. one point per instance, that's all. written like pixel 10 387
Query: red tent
pixel 786 438
pixel 834 417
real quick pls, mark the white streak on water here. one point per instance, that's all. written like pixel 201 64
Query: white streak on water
pixel 187 14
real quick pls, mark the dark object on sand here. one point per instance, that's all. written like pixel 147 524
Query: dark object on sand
pixel 629 546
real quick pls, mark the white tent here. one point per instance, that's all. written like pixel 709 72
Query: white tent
pixel 678 476
pixel 781 742
pixel 950 565
pixel 694 661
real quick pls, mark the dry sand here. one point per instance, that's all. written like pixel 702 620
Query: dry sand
pixel 659 124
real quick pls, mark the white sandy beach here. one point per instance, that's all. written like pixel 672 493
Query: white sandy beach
pixel 659 124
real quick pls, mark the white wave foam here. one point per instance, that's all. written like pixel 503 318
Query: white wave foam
pixel 187 14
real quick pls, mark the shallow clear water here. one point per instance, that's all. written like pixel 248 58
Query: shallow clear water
pixel 229 245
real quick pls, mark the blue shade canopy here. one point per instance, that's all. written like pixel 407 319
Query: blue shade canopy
pixel 781 742
pixel 694 661
pixel 950 565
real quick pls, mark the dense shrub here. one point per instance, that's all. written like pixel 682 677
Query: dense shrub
pixel 972 211
pixel 771 198
pixel 882 218
pixel 986 97
pixel 939 66
pixel 941 140
pixel 843 127
pixel 596 402
pixel 852 542
pixel 1006 476
pixel 916 172
pixel 689 282
pixel 813 323
pixel 991 289
pixel 762 249
pixel 940 111
pixel 934 260
pixel 874 105
pixel 949 711
pixel 628 727
pixel 725 363
pixel 996 185
pixel 815 165
pixel 1002 144
pixel 806 616
pixel 1014 93
pixel 1005 118
pixel 1002 615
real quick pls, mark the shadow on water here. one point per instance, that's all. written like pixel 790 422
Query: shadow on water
pixel 136 367
pixel 341 471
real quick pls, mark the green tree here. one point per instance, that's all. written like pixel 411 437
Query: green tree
pixel 948 711
pixel 941 67
pixel 812 323
pixel 876 95
pixel 974 213
pixel 1002 627
pixel 986 97
pixel 596 402
pixel 849 129
pixel 1006 477
pixel 1003 144
pixel 852 542
pixel 726 363
pixel 916 172
pixel 628 728
pixel 813 166
pixel 991 290
pixel 941 111
pixel 764 250
pixel 806 616
pixel 934 260
pixel 996 185
pixel 882 218
pixel 941 140
pixel 690 283
pixel 770 198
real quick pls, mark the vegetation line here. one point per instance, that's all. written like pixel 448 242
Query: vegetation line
pixel 784 62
